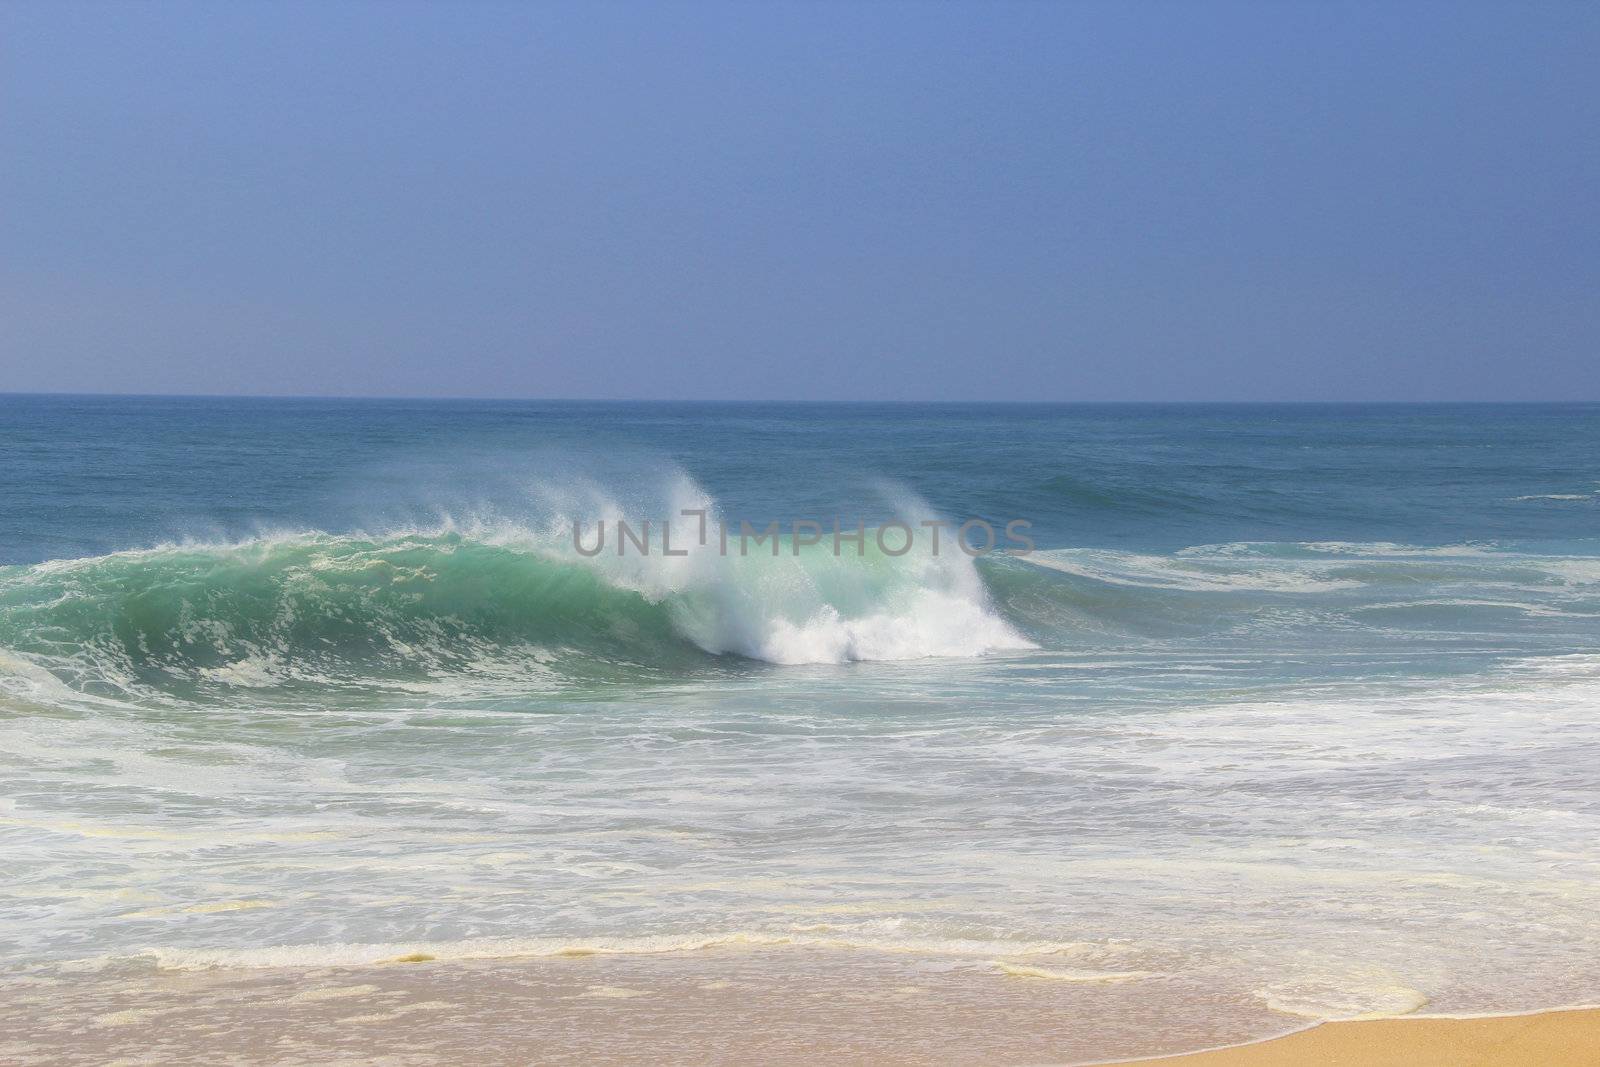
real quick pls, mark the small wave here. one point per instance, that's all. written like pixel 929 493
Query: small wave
pixel 1022 970
pixel 1344 997
pixel 1592 495
pixel 1319 549
pixel 1311 569
pixel 1187 572
pixel 1557 496
pixel 371 954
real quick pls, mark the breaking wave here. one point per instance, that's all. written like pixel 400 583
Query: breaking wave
pixel 508 606
pixel 325 609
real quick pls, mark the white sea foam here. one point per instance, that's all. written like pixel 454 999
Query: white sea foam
pixel 816 606
pixel 1218 827
pixel 400 953
pixel 1188 573
pixel 1347 994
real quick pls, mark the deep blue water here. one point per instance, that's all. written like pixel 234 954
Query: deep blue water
pixel 87 475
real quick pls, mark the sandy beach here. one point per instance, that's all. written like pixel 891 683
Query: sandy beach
pixel 1546 1039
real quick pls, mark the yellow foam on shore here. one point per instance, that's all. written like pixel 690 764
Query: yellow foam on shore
pixel 1021 970
pixel 612 992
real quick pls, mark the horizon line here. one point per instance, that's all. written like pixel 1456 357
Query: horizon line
pixel 478 398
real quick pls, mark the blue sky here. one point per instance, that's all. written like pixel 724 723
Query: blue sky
pixel 995 201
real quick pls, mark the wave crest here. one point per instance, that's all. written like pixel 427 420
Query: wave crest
pixel 506 602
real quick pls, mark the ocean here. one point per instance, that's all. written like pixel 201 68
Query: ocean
pixel 1290 713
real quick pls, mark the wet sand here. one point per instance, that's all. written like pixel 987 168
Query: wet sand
pixel 724 1006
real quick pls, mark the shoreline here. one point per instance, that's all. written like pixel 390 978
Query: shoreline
pixel 726 1006
pixel 1548 1037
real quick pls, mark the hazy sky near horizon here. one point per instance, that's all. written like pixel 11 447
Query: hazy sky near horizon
pixel 1068 201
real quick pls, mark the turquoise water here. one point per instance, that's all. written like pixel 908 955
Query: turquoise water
pixel 1295 704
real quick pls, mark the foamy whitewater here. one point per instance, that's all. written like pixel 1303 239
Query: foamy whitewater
pixel 1293 706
